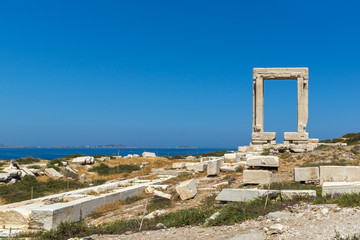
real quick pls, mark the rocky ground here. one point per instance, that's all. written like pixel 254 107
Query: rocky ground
pixel 300 222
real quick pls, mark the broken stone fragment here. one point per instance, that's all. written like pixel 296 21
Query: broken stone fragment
pixel 187 189
pixel 162 195
pixel 276 229
pixel 263 161
pixel 52 173
pixel 148 154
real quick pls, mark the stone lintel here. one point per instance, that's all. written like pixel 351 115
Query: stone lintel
pixel 296 136
pixel 281 73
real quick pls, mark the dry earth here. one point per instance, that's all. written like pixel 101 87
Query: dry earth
pixel 303 222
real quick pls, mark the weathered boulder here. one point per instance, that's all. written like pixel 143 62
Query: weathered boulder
pixel 263 161
pixel 148 154
pixel 187 189
pixel 213 167
pixel 357 148
pixel 307 174
pixel 256 176
pixel 52 173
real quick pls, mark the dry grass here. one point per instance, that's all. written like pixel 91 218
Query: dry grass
pixel 157 162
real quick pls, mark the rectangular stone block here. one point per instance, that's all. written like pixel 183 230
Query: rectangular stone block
pixel 256 176
pixel 335 188
pixel 229 168
pixel 307 174
pixel 339 174
pixel 290 194
pixel 178 165
pixel 213 167
pixel 229 156
pixel 352 173
pixel 187 189
pixel 296 136
pixel 263 161
pixel 263 136
pixel 243 149
pixel 200 167
pixel 241 195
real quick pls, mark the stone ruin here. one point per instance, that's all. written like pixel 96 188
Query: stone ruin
pixel 259 137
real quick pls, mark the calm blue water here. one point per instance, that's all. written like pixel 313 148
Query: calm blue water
pixel 52 153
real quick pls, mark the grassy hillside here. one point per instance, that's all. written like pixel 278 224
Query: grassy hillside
pixel 350 139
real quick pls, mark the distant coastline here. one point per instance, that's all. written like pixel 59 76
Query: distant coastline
pixel 109 146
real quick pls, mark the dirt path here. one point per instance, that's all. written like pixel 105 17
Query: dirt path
pixel 316 222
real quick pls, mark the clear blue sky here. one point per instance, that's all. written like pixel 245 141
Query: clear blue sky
pixel 170 73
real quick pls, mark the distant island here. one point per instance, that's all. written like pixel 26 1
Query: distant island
pixel 94 146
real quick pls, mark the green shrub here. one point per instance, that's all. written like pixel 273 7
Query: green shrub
pixel 71 156
pixel 266 152
pixel 21 190
pixel 339 237
pixel 105 170
pixel 157 204
pixel 27 160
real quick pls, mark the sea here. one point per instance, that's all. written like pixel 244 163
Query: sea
pixel 52 153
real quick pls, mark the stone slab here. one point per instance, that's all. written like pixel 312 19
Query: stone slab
pixel 200 167
pixel 339 174
pixel 50 172
pixel 296 136
pixel 178 165
pixel 335 188
pixel 263 161
pixel 256 176
pixel 290 194
pixel 250 236
pixel 241 195
pixel 162 194
pixel 263 136
pixel 229 168
pixel 307 174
